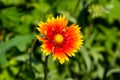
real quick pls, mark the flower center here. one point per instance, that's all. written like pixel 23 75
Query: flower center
pixel 58 38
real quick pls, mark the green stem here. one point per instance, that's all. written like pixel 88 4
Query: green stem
pixel 45 68
pixel 30 57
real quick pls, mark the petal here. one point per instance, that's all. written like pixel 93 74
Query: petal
pixel 73 29
pixel 47 47
pixel 42 27
pixel 40 38
pixel 49 31
pixel 60 54
pixel 73 40
pixel 69 50
pixel 60 23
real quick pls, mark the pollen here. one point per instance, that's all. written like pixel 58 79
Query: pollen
pixel 58 38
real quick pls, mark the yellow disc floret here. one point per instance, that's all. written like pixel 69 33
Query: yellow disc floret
pixel 58 38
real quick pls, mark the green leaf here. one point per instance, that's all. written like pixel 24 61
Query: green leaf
pixel 96 55
pixel 11 14
pixel 3 60
pixel 91 39
pixel 115 10
pixel 111 71
pixel 61 5
pixel 100 71
pixel 103 2
pixel 10 17
pixel 86 57
pixel 10 2
pixel 19 41
pixel 51 63
pixel 5 75
pixel 24 41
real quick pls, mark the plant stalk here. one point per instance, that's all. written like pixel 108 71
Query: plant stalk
pixel 45 68
pixel 30 57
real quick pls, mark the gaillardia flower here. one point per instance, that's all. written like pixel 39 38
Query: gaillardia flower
pixel 60 40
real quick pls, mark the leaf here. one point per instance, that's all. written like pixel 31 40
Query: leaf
pixel 115 10
pixel 10 17
pixel 86 57
pixel 19 41
pixel 76 68
pixel 61 5
pixel 51 65
pixel 21 58
pixel 96 55
pixel 100 71
pixel 91 39
pixel 111 71
pixel 11 14
pixel 3 60
pixel 10 2
pixel 5 75
pixel 103 2
pixel 24 41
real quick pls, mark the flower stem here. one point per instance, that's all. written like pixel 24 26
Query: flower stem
pixel 30 57
pixel 45 67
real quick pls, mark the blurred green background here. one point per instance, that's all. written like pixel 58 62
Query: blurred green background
pixel 98 59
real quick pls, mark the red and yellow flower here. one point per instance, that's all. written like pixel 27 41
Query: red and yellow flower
pixel 60 40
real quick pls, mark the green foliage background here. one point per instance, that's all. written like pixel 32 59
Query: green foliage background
pixel 98 59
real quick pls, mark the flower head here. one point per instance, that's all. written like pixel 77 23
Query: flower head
pixel 95 10
pixel 59 39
